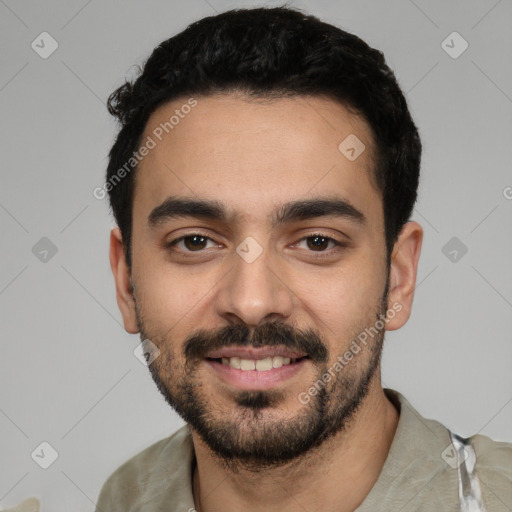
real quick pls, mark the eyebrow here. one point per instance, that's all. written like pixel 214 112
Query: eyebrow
pixel 318 207
pixel 174 207
pixel 300 210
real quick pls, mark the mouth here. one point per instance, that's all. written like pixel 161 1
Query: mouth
pixel 261 365
pixel 252 368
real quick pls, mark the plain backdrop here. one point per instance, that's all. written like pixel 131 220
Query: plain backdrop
pixel 68 374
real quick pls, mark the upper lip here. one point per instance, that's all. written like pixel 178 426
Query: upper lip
pixel 254 353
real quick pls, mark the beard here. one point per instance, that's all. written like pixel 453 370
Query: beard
pixel 252 435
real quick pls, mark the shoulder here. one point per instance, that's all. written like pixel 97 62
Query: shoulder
pixel 493 455
pixel 130 486
pixel 440 469
pixel 493 467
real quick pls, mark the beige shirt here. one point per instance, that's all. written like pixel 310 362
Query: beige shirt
pixel 428 469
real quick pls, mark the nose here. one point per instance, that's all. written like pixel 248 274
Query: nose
pixel 254 292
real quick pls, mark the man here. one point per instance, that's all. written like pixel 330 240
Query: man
pixel 262 181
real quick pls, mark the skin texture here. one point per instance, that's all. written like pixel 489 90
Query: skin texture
pixel 252 157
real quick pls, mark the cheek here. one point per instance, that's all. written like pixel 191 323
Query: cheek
pixel 173 301
pixel 165 298
pixel 341 299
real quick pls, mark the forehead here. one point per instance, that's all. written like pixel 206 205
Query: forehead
pixel 255 154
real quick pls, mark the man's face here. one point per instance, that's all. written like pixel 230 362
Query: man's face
pixel 265 281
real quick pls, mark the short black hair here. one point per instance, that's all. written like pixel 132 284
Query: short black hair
pixel 271 53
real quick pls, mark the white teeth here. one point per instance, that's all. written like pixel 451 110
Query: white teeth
pixel 264 365
pixel 277 362
pixel 247 364
pixel 261 365
pixel 234 362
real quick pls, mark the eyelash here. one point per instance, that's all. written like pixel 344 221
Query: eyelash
pixel 338 246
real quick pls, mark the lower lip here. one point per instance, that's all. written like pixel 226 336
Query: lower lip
pixel 255 379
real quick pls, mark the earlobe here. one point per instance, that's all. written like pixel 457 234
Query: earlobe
pixel 403 271
pixel 123 281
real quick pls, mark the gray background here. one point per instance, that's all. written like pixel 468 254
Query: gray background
pixel 68 375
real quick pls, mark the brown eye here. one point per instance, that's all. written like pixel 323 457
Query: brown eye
pixel 191 243
pixel 195 242
pixel 318 243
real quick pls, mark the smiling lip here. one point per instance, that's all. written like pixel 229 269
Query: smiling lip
pixel 253 380
pixel 289 364
pixel 254 352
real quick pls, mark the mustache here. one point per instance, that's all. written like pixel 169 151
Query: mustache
pixel 198 345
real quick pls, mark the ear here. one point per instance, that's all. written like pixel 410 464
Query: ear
pixel 402 274
pixel 124 292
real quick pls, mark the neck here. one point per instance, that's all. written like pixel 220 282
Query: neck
pixel 339 474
